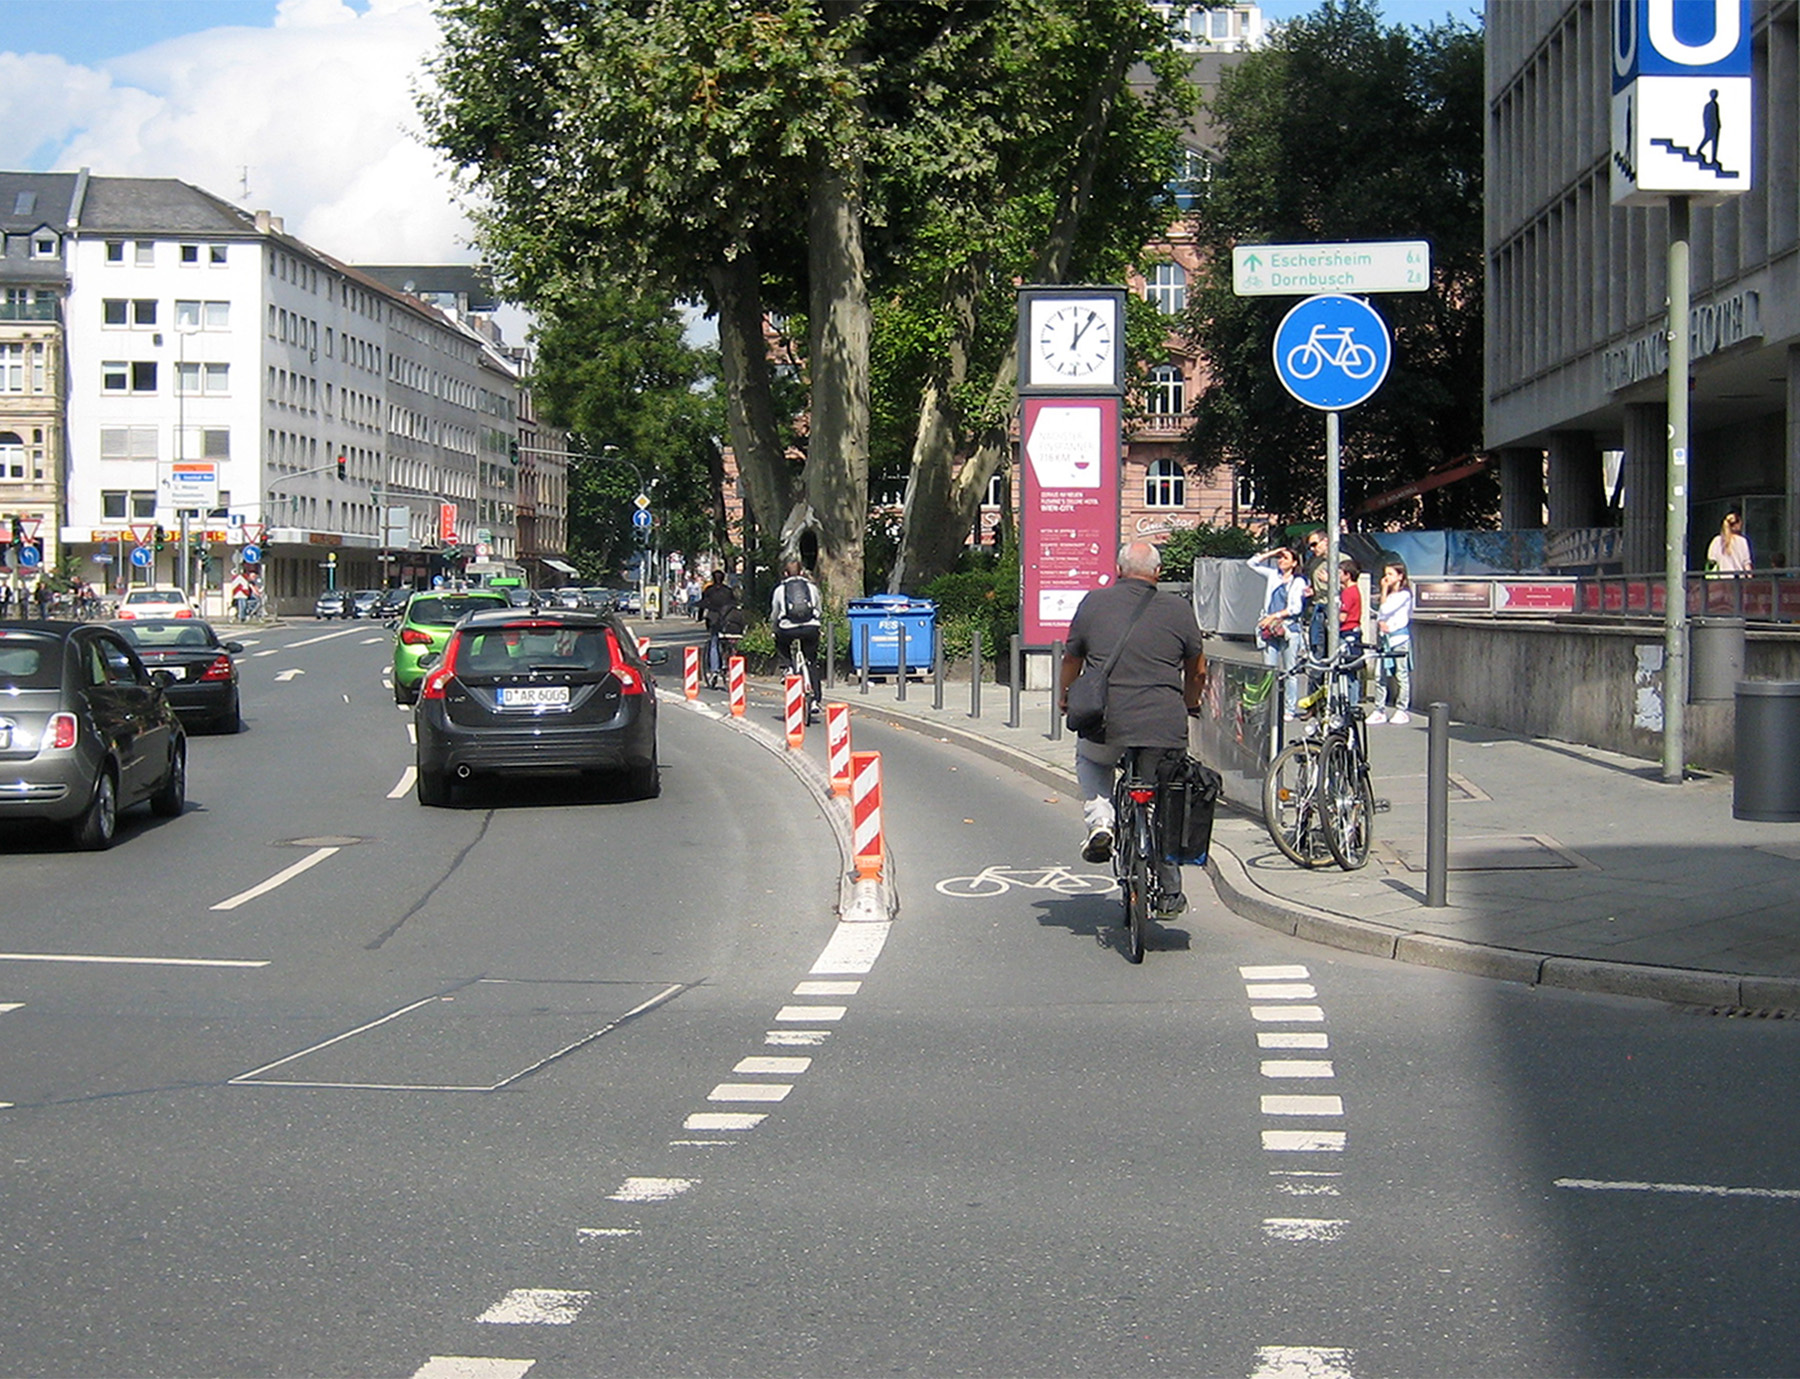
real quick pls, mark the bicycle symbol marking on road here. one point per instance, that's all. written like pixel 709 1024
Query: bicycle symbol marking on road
pixel 1332 352
pixel 993 881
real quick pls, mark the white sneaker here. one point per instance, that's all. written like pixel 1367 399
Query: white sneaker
pixel 1379 717
pixel 1400 716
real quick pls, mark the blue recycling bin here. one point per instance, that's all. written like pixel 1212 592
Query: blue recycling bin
pixel 876 627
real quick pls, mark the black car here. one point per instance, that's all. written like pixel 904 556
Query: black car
pixel 85 730
pixel 517 690
pixel 203 685
pixel 392 603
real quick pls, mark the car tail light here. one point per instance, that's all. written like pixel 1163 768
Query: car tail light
pixel 439 675
pixel 220 669
pixel 631 680
pixel 60 731
pixel 126 615
pixel 184 612
pixel 413 637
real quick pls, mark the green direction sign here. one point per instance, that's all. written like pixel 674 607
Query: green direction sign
pixel 1305 270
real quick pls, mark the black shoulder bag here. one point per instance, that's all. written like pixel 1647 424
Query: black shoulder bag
pixel 1085 709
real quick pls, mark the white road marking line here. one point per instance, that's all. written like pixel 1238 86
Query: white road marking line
pixel 371 641
pixel 785 1066
pixel 335 1039
pixel 724 1120
pixel 1297 1067
pixel 326 637
pixel 537 1307
pixel 134 962
pixel 286 874
pixel 1302 1105
pixel 282 677
pixel 412 732
pixel 1693 1189
pixel 1291 973
pixel 1298 1015
pixel 408 778
pixel 853 948
pixel 272 651
pixel 5 1106
pixel 471 1367
pixel 1292 1039
pixel 10 1005
pixel 1307 1188
pixel 1303 1141
pixel 801 1015
pixel 795 1038
pixel 1302 1228
pixel 596 1232
pixel 1281 991
pixel 1301 1362
pixel 827 988
pixel 750 1091
pixel 651 1189
pixel 700 1144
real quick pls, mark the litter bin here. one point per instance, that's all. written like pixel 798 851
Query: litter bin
pixel 876 625
pixel 1715 658
pixel 1767 784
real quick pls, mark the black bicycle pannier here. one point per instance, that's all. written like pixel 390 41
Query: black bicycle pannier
pixel 1189 794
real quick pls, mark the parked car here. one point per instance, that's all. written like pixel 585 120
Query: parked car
pixel 363 601
pixel 155 601
pixel 203 687
pixel 85 730
pixel 333 603
pixel 392 602
pixel 567 597
pixel 515 691
pixel 425 628
pixel 523 598
pixel 626 601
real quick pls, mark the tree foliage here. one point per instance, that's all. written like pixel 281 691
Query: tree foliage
pixel 1342 129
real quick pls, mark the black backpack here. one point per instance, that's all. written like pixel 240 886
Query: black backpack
pixel 797 601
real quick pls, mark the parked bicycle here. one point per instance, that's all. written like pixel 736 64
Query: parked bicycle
pixel 1318 795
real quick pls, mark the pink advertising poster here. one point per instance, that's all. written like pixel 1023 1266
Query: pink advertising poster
pixel 1069 518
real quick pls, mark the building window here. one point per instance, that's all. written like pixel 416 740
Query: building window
pixel 1167 288
pixel 117 505
pixel 12 455
pixel 44 246
pixel 215 254
pixel 128 443
pixel 137 376
pixel 203 315
pixel 1166 393
pixel 115 251
pixel 140 311
pixel 202 378
pixel 112 504
pixel 22 367
pixel 144 253
pixel 1164 485
pixel 190 253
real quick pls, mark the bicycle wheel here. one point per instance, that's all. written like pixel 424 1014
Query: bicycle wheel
pixel 1137 885
pixel 1347 801
pixel 1291 804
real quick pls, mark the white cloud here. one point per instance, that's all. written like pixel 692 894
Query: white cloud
pixel 315 114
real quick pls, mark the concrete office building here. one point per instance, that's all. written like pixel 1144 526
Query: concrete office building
pixel 1576 355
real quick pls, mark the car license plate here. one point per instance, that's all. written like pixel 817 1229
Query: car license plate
pixel 532 696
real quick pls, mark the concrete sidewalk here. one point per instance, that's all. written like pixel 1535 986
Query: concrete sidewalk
pixel 1568 866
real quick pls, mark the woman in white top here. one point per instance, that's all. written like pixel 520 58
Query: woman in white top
pixel 1281 626
pixel 1729 553
pixel 1393 630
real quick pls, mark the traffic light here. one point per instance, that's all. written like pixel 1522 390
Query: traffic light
pixel 512 450
pixel 162 537
pixel 18 533
pixel 343 468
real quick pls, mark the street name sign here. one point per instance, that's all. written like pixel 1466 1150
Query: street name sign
pixel 1304 270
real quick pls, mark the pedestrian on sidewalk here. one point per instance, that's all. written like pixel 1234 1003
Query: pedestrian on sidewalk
pixel 1350 620
pixel 1156 681
pixel 1393 643
pixel 1729 553
pixel 1279 629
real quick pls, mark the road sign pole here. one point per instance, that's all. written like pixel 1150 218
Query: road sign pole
pixel 1332 510
pixel 1675 630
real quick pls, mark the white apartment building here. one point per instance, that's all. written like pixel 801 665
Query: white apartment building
pixel 199 334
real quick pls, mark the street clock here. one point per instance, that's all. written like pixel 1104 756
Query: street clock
pixel 1072 340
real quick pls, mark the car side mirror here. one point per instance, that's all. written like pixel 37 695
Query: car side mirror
pixel 429 659
pixel 162 679
pixel 657 656
pixel 235 648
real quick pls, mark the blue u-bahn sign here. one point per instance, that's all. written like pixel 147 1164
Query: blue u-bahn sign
pixel 1681 105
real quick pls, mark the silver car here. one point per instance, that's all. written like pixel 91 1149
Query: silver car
pixel 85 730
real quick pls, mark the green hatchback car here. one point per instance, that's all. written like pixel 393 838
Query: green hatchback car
pixel 425 627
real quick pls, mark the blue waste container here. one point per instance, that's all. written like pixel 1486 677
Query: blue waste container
pixel 876 627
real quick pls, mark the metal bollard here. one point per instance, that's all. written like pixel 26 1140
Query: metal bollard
pixel 1056 656
pixel 1015 719
pixel 900 670
pixel 863 665
pixel 830 655
pixel 976 664
pixel 937 670
pixel 1437 805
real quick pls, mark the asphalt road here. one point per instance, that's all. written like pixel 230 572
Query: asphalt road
pixel 601 1087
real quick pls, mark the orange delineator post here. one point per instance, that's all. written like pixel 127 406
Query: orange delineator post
pixel 796 711
pixel 643 646
pixel 690 672
pixel 865 813
pixel 734 681
pixel 837 747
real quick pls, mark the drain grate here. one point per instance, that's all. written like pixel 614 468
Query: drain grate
pixel 1746 1012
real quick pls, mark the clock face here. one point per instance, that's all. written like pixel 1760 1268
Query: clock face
pixel 1073 341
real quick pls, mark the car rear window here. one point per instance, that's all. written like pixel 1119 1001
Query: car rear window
pixel 29 661
pixel 510 650
pixel 158 596
pixel 167 634
pixel 443 610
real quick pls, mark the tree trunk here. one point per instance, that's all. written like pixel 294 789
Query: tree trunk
pixel 762 464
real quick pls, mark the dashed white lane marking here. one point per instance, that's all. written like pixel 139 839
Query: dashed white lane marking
pixel 1297 1067
pixel 804 1015
pixel 724 1120
pixel 786 1067
pixel 1292 972
pixel 1292 1039
pixel 597 1232
pixel 1299 1015
pixel 1301 1362
pixel 281 878
pixel 134 962
pixel 1304 1182
pixel 827 988
pixel 371 641
pixel 1694 1189
pixel 403 787
pixel 750 1091
pixel 1303 1105
pixel 651 1189
pixel 471 1367
pixel 1303 1141
pixel 9 1005
pixel 795 1038
pixel 1287 1228
pixel 1281 991
pixel 537 1307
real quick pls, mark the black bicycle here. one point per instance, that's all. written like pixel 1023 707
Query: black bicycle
pixel 1318 795
pixel 1137 845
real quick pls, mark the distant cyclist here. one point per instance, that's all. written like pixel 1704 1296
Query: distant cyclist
pixel 795 614
pixel 718 599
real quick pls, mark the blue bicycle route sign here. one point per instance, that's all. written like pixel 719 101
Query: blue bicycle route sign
pixel 1332 352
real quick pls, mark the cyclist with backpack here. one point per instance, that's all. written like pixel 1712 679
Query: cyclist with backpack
pixel 794 613
pixel 718 599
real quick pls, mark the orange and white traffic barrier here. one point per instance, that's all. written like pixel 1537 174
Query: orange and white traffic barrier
pixel 643 646
pixel 690 672
pixel 865 813
pixel 837 747
pixel 734 682
pixel 796 710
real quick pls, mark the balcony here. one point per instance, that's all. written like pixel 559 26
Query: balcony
pixel 42 310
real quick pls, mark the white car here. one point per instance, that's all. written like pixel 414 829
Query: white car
pixel 155 601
